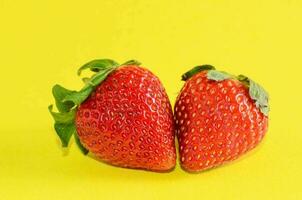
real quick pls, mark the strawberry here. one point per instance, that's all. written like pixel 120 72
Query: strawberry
pixel 218 117
pixel 122 115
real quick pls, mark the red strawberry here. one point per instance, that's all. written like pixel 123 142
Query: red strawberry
pixel 125 119
pixel 218 117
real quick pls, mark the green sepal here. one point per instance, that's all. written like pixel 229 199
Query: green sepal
pixel 196 70
pixel 218 75
pixel 243 79
pixel 260 96
pixel 132 62
pixel 97 78
pixel 62 117
pixel 79 144
pixel 78 97
pixel 59 94
pixel 265 110
pixel 64 124
pixel 65 131
pixel 98 65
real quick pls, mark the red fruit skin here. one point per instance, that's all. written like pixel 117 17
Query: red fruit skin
pixel 216 122
pixel 128 121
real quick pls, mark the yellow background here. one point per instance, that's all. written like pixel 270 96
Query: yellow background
pixel 44 42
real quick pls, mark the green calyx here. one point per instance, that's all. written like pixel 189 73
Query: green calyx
pixel 256 91
pixel 67 101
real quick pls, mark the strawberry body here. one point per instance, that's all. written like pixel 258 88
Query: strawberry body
pixel 128 122
pixel 216 122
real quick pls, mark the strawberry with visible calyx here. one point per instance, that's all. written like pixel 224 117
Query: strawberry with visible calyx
pixel 122 115
pixel 218 117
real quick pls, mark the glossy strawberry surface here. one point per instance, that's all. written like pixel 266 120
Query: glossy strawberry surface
pixel 128 122
pixel 216 122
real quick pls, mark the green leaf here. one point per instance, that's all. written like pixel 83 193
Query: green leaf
pixel 59 94
pixel 132 62
pixel 264 110
pixel 218 75
pixel 64 124
pixel 64 117
pixel 78 97
pixel 258 94
pixel 65 132
pixel 98 65
pixel 99 77
pixel 243 79
pixel 80 145
pixel 196 70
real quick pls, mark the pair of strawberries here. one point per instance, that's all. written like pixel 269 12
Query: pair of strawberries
pixel 124 117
